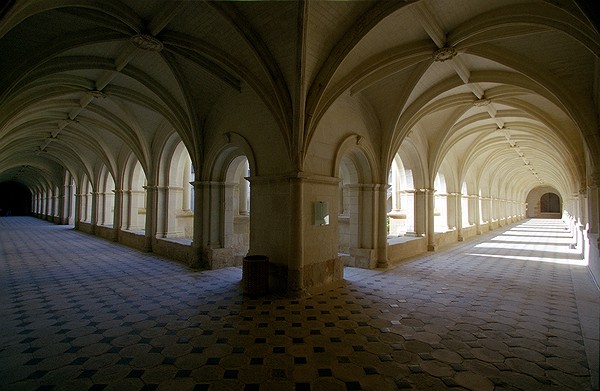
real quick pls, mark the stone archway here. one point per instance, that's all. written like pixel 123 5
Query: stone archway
pixel 544 202
pixel 550 203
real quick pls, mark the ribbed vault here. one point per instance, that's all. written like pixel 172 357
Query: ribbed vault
pixel 487 100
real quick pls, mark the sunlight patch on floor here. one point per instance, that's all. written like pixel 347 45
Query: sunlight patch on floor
pixel 535 240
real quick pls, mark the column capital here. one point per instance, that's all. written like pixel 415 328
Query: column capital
pixel 425 190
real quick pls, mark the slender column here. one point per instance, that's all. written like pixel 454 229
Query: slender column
pixel 48 205
pixel 491 212
pixel 593 207
pixel 593 203
pixel 420 212
pixel 296 263
pixel 117 214
pixel 186 189
pixel 51 201
pixel 78 207
pixel 66 203
pixel 162 211
pixel 459 217
pixel 451 201
pixel 410 213
pixel 429 195
pixel 244 191
pixel 198 260
pixel 151 216
pixel 101 209
pixel 477 212
pixel 61 205
pixel 498 211
pixel 483 207
pixel 126 218
pixel 382 245
pixel 94 213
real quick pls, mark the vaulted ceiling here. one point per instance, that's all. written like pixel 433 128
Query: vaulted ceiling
pixel 503 86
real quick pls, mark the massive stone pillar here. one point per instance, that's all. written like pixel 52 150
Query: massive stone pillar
pixel 294 223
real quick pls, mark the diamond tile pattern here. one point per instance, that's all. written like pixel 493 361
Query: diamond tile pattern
pixel 78 312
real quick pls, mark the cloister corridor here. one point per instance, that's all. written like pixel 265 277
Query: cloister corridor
pixel 512 309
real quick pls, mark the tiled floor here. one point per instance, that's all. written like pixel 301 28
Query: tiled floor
pixel 507 312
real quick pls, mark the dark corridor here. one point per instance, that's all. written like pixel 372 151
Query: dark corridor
pixel 15 199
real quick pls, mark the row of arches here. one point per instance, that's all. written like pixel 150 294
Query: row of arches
pixel 121 212
pixel 436 133
pixel 411 213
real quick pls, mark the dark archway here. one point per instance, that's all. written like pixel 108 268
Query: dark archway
pixel 550 203
pixel 15 199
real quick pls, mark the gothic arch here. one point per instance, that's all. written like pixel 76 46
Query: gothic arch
pixel 358 207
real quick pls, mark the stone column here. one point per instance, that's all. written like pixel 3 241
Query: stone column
pixel 61 206
pixel 382 245
pixel 198 259
pixel 421 212
pixel 296 271
pixel 593 198
pixel 485 210
pixel 429 195
pixel 451 209
pixel 243 192
pixel 67 201
pixel 78 207
pixel 591 235
pixel 101 209
pixel 47 205
pixel 94 212
pixel 151 216
pixel 459 217
pixel 477 212
pixel 162 212
pixel 498 211
pixel 410 213
pixel 117 214
pixel 302 249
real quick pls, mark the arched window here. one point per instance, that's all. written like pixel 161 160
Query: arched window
pixel 464 203
pixel 400 199
pixel 550 203
pixel 440 213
